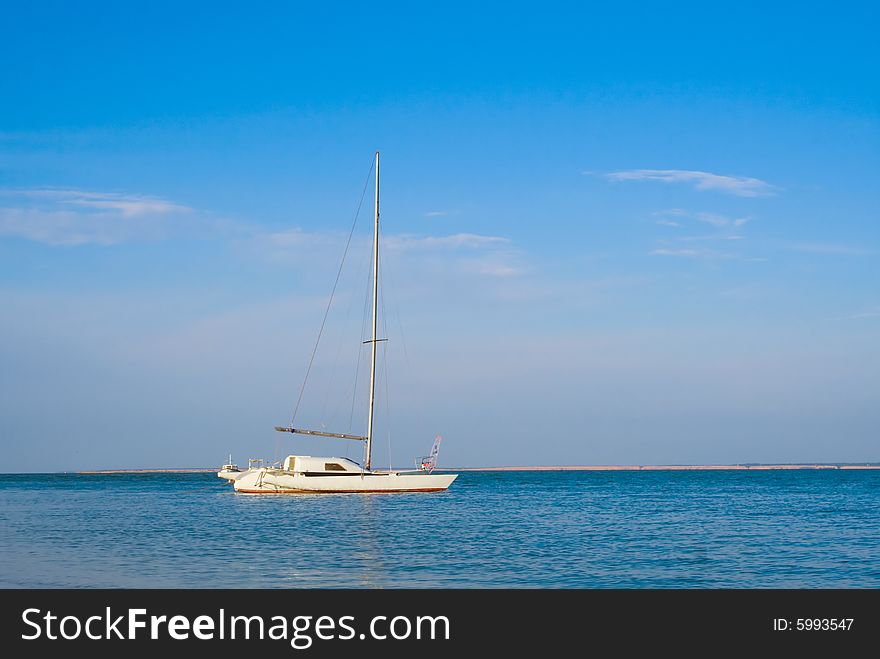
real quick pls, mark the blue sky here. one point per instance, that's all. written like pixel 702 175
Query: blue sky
pixel 645 234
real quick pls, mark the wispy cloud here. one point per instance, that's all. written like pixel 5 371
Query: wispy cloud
pixel 674 212
pixel 714 219
pixel 467 253
pixel 713 236
pixel 727 230
pixel 665 251
pixel 299 247
pixel 691 253
pixel 77 217
pixel 831 249
pixel 501 270
pixel 440 213
pixel 492 268
pixel 457 240
pixel 127 205
pixel 741 186
pixel 298 237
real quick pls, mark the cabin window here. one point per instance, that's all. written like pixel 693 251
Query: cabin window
pixel 333 466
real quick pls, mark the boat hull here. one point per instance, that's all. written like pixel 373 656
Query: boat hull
pixel 270 481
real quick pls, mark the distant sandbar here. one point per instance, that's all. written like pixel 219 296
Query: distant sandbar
pixel 743 467
pixel 200 470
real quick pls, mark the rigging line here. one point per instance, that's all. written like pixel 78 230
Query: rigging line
pixel 342 343
pixel 360 354
pixel 323 415
pixel 385 373
pixel 364 319
pixel 387 400
pixel 332 293
pixel 385 364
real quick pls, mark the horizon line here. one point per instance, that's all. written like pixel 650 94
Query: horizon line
pixel 744 466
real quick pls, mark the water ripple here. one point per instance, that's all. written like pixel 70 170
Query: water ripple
pixel 792 529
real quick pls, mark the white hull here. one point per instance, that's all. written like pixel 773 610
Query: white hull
pixel 229 474
pixel 276 481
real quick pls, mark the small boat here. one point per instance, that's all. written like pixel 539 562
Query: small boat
pixel 230 471
pixel 299 474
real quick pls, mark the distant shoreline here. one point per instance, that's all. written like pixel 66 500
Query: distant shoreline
pixel 742 467
pixel 737 467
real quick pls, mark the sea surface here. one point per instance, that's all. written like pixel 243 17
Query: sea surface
pixel 614 529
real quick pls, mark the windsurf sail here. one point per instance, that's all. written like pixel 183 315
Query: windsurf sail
pixel 429 462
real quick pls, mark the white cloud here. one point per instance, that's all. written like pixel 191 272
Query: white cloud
pixel 668 223
pixel 127 205
pixel 76 217
pixel 741 186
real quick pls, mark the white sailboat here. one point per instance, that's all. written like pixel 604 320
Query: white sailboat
pixel 230 471
pixel 309 474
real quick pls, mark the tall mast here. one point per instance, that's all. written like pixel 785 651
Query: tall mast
pixel 375 314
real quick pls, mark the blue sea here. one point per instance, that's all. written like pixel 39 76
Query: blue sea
pixel 613 529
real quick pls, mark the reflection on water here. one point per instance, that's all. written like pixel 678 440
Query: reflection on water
pixel 373 571
pixel 796 529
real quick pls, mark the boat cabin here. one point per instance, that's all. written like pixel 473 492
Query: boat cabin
pixel 312 465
